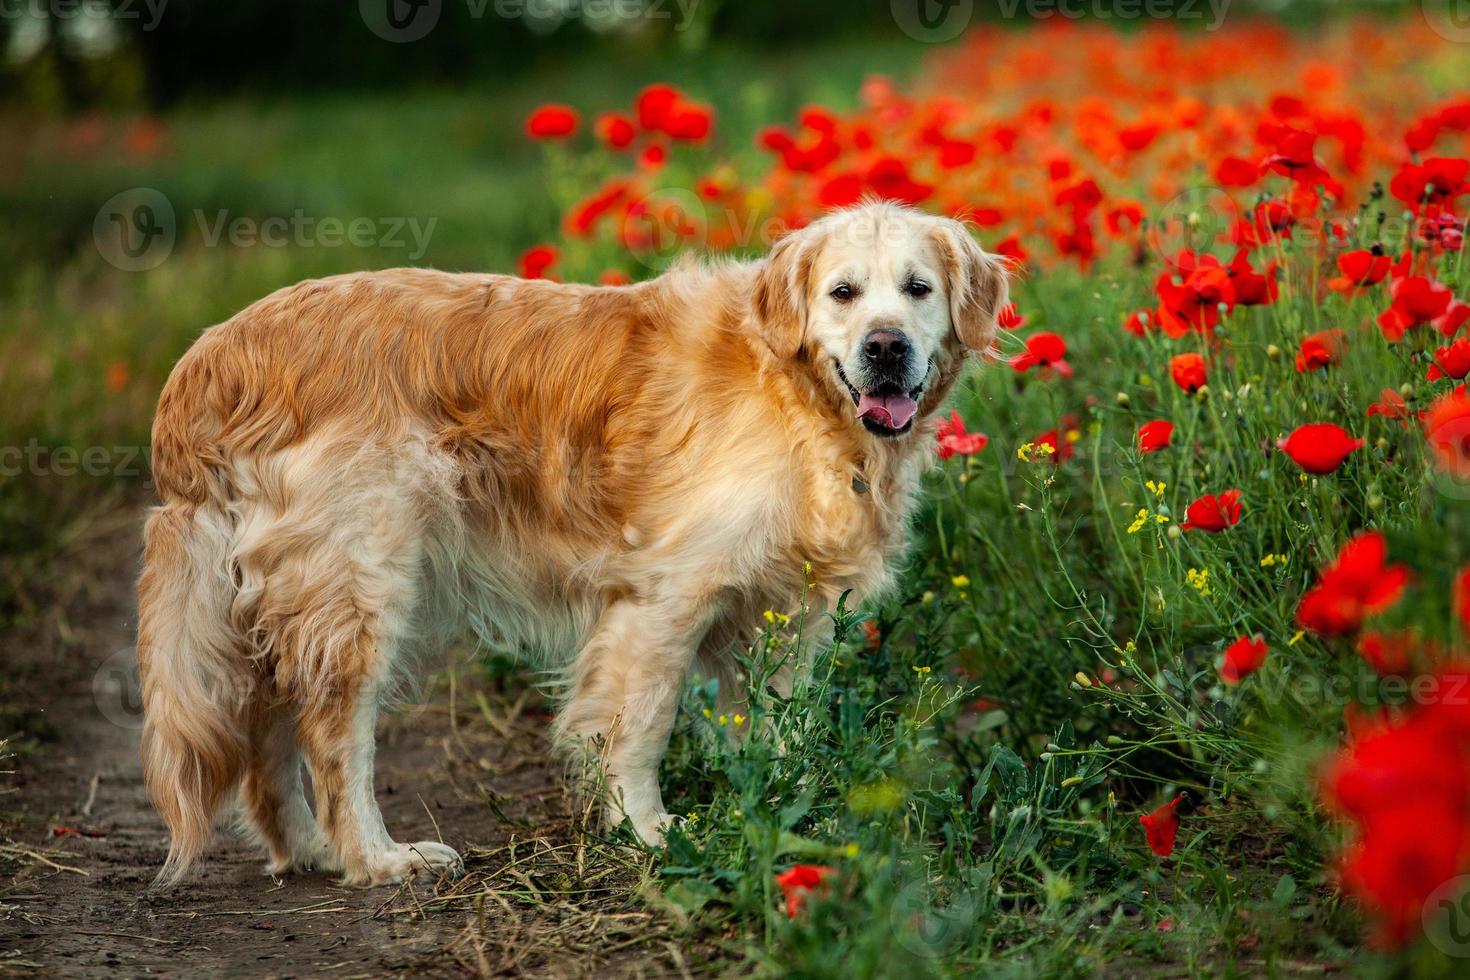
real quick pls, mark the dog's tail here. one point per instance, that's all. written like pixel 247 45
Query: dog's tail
pixel 195 677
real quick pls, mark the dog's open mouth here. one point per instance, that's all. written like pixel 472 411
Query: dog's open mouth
pixel 887 410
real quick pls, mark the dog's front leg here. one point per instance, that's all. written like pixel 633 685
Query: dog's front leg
pixel 625 692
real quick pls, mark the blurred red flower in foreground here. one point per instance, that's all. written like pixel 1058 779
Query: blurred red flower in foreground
pixel 1161 827
pixel 1404 784
pixel 1154 436
pixel 1212 513
pixel 1447 426
pixel 1243 658
pixel 1389 654
pixel 800 881
pixel 955 441
pixel 1188 371
pixel 553 121
pixel 1322 349
pixel 1045 351
pixel 1319 447
pixel 536 260
pixel 1357 584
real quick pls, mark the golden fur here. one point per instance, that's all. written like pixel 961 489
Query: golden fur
pixel 616 479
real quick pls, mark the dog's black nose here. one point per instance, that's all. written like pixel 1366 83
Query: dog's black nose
pixel 886 349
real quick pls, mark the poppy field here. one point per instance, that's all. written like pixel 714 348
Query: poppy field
pixel 1178 670
pixel 1176 679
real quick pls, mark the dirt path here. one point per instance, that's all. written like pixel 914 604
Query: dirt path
pixel 477 773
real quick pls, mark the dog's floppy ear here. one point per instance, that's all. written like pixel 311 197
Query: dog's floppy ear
pixel 979 285
pixel 780 298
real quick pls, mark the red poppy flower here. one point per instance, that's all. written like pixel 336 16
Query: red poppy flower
pixel 1138 323
pixel 653 158
pixel 1436 181
pixel 1322 349
pixel 1161 827
pixel 1389 654
pixel 1243 658
pixel 1154 436
pixel 1403 783
pixel 1009 319
pixel 1196 300
pixel 616 130
pixel 955 441
pixel 1294 156
pixel 1417 300
pixel 1447 427
pixel 614 277
pixel 654 104
pixel 800 881
pixel 1253 288
pixel 1213 514
pixel 1043 350
pixel 1452 361
pixel 688 121
pixel 1188 371
pixel 889 178
pixel 872 636
pixel 536 260
pixel 1455 316
pixel 554 121
pixel 1360 269
pixel 1062 448
pixel 1390 405
pixel 1319 447
pixel 1356 585
pixel 1235 172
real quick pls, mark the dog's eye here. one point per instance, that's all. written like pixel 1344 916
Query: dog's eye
pixel 917 288
pixel 843 292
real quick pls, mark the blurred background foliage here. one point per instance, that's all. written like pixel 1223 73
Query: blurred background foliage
pixel 72 55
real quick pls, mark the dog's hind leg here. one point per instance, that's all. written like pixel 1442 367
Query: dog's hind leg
pixel 274 799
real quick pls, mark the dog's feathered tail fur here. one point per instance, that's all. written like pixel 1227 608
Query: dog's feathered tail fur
pixel 195 690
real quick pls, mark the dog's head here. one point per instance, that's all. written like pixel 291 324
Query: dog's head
pixel 876 301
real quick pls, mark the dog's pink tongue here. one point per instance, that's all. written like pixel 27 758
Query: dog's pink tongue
pixel 893 411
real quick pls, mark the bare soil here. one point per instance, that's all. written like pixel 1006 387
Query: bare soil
pixel 79 842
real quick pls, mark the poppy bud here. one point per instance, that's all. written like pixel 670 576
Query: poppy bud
pixel 1174 531
pixel 1123 398
pixel 1273 352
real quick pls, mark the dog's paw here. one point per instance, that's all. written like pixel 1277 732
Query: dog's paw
pixel 652 827
pixel 306 858
pixel 405 860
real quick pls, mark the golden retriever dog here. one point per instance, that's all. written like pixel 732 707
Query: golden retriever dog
pixel 617 480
